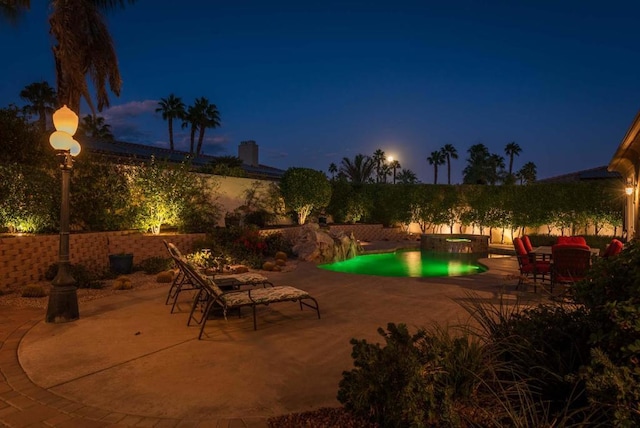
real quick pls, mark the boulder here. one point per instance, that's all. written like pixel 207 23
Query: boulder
pixel 324 246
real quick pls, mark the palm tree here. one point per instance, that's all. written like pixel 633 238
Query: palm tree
pixel 84 51
pixel 42 99
pixel 95 127
pixel 171 108
pixel 210 118
pixel 478 169
pixel 359 170
pixel 449 152
pixel 512 149
pixel 496 170
pixel 333 169
pixel 436 158
pixel 394 164
pixel 378 160
pixel 200 116
pixel 406 176
pixel 83 48
pixel 528 173
pixel 12 9
pixel 190 120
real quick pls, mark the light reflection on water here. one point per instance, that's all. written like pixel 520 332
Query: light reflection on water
pixel 410 263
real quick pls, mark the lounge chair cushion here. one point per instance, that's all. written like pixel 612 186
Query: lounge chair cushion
pixel 281 293
pixel 241 278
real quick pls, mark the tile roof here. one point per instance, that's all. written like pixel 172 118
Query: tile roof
pixel 121 149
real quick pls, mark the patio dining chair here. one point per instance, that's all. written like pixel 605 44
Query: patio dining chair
pixel 529 265
pixel 571 264
pixel 614 248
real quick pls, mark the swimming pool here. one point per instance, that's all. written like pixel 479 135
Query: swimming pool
pixel 410 263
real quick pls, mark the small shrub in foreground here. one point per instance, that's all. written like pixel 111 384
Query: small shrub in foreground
pixel 413 381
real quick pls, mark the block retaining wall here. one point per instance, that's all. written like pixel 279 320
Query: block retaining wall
pixel 25 259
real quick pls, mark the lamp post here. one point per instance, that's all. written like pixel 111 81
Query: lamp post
pixel 63 298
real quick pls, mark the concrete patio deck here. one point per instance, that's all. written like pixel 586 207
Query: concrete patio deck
pixel 129 362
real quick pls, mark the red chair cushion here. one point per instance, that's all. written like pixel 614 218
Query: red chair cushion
pixel 571 240
pixel 583 246
pixel 613 249
pixel 527 243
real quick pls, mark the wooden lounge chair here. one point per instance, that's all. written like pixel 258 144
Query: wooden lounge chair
pixel 213 297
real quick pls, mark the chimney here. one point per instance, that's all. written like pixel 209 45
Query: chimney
pixel 248 152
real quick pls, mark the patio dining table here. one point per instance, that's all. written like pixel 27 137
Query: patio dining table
pixel 545 251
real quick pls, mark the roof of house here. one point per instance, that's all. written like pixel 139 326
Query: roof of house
pixel 598 173
pixel 121 149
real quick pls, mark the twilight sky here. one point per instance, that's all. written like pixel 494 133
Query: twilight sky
pixel 315 81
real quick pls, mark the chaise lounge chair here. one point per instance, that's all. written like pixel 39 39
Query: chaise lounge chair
pixel 213 296
pixel 183 282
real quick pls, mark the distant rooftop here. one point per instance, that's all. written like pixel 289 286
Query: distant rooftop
pixel 598 173
pixel 121 149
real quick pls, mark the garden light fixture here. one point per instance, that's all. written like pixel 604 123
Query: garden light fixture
pixel 63 298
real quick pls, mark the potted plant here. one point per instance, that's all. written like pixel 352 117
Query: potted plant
pixel 121 263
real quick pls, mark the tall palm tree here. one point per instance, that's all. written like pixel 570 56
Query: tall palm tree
pixel 449 152
pixel 436 159
pixel 512 149
pixel 394 164
pixel 42 99
pixel 84 51
pixel 200 116
pixel 95 127
pixel 171 108
pixel 496 170
pixel 83 48
pixel 378 160
pixel 209 118
pixel 333 169
pixel 190 120
pixel 359 170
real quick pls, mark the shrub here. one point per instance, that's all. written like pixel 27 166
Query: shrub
pixel 611 294
pixel 278 243
pixel 154 265
pixel 34 290
pixel 413 380
pixel 165 277
pixel 83 276
pixel 122 283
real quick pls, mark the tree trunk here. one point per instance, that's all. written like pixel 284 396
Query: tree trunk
pixel 193 138
pixel 200 139
pixel 171 134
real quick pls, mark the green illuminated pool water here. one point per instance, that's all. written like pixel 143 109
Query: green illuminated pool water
pixel 411 263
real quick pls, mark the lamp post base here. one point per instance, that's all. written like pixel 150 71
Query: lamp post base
pixel 63 304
